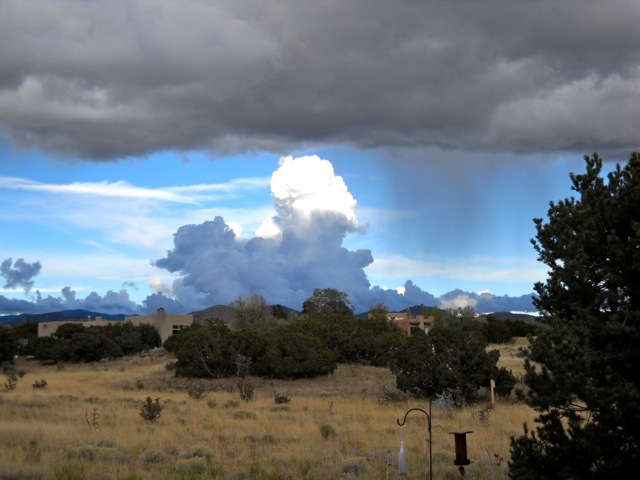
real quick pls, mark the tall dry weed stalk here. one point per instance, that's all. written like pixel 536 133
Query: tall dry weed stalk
pixel 92 420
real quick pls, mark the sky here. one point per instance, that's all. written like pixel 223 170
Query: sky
pixel 183 154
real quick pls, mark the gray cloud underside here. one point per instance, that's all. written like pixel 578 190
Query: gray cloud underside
pixel 19 274
pixel 105 80
pixel 215 268
pixel 120 303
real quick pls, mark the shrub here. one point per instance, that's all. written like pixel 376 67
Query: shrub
pixel 17 472
pixel 505 381
pixel 446 359
pixel 42 383
pixel 106 443
pixel 70 472
pixel 83 453
pixel 231 404
pixel 257 472
pixel 204 351
pixel 191 466
pixel 8 344
pixel 279 408
pixel 7 367
pixel 197 390
pixel 483 413
pixel 447 400
pixel 518 328
pixel 131 476
pixel 150 457
pixel 246 389
pixel 327 431
pixel 297 355
pixel 496 331
pixel 356 467
pixel 391 394
pixel 200 451
pixel 150 409
pixel 91 346
pixel 244 415
pixel 92 453
pixel 12 380
pixel 280 399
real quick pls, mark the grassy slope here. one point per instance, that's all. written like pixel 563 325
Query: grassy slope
pixel 43 430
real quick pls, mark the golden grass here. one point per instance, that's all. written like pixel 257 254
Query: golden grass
pixel 334 427
pixel 512 354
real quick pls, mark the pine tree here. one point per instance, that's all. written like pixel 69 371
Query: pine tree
pixel 583 372
pixel 447 359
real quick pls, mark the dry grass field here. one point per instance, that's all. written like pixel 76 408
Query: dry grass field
pixel 87 424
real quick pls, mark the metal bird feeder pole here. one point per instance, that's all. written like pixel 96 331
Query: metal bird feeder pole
pixel 404 420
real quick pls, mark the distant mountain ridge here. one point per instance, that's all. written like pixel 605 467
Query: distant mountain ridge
pixel 78 314
pixel 525 317
pixel 221 312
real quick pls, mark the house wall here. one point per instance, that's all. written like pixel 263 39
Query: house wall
pixel 407 322
pixel 165 323
pixel 46 329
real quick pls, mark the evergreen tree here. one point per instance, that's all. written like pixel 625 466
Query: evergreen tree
pixel 251 345
pixel 8 344
pixel 252 313
pixel 447 359
pixel 204 351
pixel 585 388
pixel 327 301
pixel 91 345
pixel 296 355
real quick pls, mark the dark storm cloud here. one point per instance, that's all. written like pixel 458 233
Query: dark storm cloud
pixel 103 80
pixel 110 302
pixel 19 274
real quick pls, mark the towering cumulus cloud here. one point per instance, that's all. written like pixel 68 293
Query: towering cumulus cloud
pixel 295 251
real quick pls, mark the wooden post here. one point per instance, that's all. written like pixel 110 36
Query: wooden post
pixel 492 383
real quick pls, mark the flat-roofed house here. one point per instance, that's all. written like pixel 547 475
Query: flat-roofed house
pixel 166 323
pixel 408 323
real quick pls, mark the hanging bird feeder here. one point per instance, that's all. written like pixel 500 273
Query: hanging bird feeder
pixel 402 459
pixel 460 439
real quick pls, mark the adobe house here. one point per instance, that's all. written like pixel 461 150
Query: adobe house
pixel 166 323
pixel 46 329
pixel 407 322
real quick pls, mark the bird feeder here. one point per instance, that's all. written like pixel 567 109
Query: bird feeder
pixel 461 448
pixel 460 445
pixel 402 458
